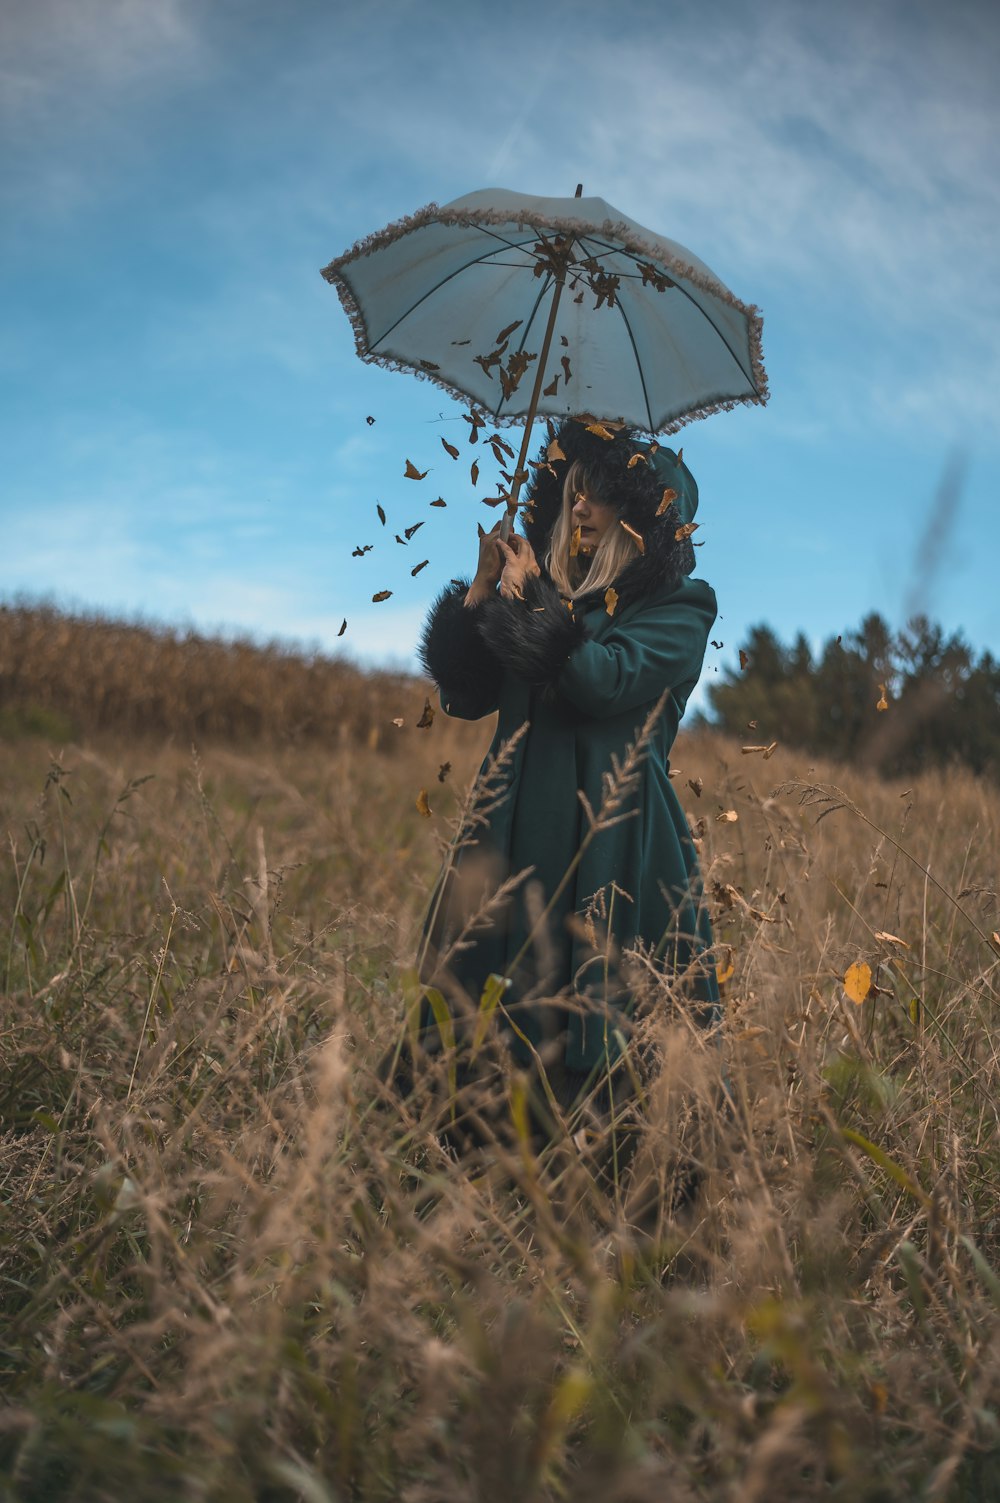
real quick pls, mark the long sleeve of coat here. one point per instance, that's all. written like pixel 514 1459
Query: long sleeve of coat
pixel 661 647
pixel 456 656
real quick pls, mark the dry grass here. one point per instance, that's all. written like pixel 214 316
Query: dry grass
pixel 235 1269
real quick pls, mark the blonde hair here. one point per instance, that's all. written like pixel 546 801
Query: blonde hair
pixel 571 576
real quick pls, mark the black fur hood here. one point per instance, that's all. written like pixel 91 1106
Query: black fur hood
pixel 636 491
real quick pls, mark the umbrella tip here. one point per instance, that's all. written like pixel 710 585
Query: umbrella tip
pixel 579 191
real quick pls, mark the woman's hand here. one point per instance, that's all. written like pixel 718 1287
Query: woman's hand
pixel 488 568
pixel 520 565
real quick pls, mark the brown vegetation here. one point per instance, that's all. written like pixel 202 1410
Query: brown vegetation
pixel 233 1268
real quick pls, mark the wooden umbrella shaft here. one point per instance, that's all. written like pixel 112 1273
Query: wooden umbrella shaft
pixel 522 458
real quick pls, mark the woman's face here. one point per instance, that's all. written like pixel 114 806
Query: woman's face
pixel 593 519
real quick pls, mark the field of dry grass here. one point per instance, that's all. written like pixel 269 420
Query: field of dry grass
pixel 234 1269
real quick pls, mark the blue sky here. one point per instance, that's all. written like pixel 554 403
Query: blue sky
pixel 182 414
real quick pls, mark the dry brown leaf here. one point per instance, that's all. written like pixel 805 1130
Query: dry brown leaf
pixel 506 333
pixel 427 718
pixel 858 981
pixel 636 458
pixel 409 531
pixel 360 552
pixel 611 600
pixel 369 421
pixel 883 703
pixel 474 471
pixel 667 499
pixel 751 725
pixel 564 362
pixel 636 537
pixel 550 390
pixel 893 939
pixel 381 595
pixel 685 530
pixel 746 750
pixel 381 513
pixel 443 771
pixel 744 659
pixel 412 473
pixel 449 448
pixel 398 722
pixel 696 785
pixel 439 502
pixel 343 627
pixel 423 807
pixel 770 751
pixel 727 817
pixel 428 365
pixel 554 451
pixel 600 430
pixel 417 568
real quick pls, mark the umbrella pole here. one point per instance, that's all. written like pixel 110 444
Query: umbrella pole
pixel 522 458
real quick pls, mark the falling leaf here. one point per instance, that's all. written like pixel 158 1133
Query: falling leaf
pixel 450 448
pixel 417 568
pixel 564 341
pixel 696 785
pixel 554 451
pixel 399 722
pixel 412 473
pixel 724 974
pixel 995 937
pixel 746 750
pixel 744 659
pixel 892 939
pixel 423 807
pixel 727 817
pixel 461 341
pixel 427 718
pixel 429 365
pixel 409 531
pixel 550 390
pixel 858 981
pixel 883 703
pixel 610 600
pixel 574 543
pixel 751 724
pixel 360 552
pixel 599 430
pixel 400 540
pixel 369 421
pixel 578 298
pixel 443 771
pixel 343 627
pixel 770 751
pixel 564 362
pixel 717 644
pixel 474 471
pixel 381 513
pixel 476 423
pixel 381 595
pixel 685 530
pixel 636 537
pixel 506 333
pixel 667 499
pixel 439 502
pixel 636 457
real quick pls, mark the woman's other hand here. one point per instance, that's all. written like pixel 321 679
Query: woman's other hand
pixel 520 565
pixel 488 568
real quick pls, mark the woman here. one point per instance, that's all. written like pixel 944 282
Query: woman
pixel 578 634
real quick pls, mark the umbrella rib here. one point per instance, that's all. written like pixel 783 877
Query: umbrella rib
pixel 618 251
pixel 635 352
pixel 476 261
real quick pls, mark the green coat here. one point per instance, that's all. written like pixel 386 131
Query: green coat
pixel 638 879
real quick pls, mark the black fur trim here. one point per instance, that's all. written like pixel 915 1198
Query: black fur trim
pixel 532 637
pixel 635 493
pixel 452 650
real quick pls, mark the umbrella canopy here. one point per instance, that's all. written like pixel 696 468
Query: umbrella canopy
pixel 525 305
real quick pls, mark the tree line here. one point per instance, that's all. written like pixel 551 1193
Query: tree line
pixel 897 701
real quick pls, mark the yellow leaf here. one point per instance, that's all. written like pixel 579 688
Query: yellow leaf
pixel 667 499
pixel 725 973
pixel 412 473
pixel 883 703
pixel 858 981
pixel 611 600
pixel 636 537
pixel 727 817
pixel 574 543
pixel 423 807
pixel 381 595
pixel 635 460
pixel 599 430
